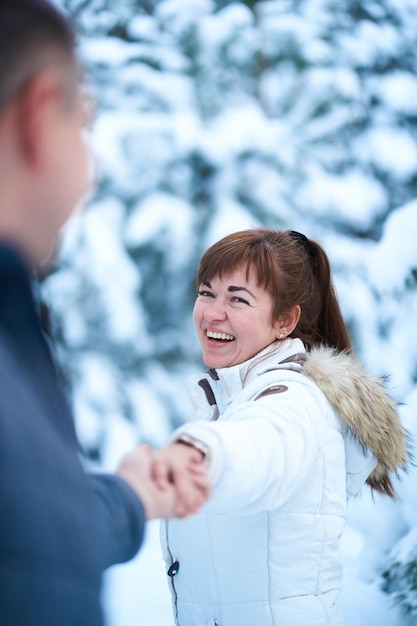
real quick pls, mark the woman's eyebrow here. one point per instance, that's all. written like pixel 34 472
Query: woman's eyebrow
pixel 233 288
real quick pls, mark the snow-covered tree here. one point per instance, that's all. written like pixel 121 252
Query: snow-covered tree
pixel 215 116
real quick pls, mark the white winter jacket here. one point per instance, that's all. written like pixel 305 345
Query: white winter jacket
pixel 265 550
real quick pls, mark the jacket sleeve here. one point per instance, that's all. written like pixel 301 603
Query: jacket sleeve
pixel 261 453
pixel 120 518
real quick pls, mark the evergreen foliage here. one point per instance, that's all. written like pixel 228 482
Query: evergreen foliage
pixel 215 116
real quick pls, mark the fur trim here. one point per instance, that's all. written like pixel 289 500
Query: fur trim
pixel 366 409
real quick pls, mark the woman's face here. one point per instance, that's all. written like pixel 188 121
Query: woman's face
pixel 233 319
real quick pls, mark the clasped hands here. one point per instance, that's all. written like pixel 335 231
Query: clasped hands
pixel 171 482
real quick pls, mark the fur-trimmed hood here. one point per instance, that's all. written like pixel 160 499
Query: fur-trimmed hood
pixel 364 406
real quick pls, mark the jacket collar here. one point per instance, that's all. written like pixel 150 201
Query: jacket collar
pixel 235 378
pixel 213 391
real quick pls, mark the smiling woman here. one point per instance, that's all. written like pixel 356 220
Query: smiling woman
pixel 290 427
pixel 233 316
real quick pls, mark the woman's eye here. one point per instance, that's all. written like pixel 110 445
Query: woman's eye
pixel 240 300
pixel 205 293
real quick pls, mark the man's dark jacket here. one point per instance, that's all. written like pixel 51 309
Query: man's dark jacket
pixel 59 526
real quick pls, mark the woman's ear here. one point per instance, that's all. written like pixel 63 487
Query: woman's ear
pixel 288 321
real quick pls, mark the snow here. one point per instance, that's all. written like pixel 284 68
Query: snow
pixel 165 218
pixel 230 29
pixel 391 149
pixel 241 128
pixel 396 253
pixel 369 42
pixel 315 141
pixel 103 253
pixel 125 144
pixel 153 422
pixel 398 90
pixel 109 51
pixel 182 15
pixel 363 604
pixel 230 217
pixel 353 197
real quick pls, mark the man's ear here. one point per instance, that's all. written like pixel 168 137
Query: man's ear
pixel 36 111
pixel 288 321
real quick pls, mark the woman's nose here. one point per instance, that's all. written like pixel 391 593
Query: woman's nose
pixel 215 311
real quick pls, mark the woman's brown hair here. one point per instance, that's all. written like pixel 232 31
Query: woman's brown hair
pixel 294 270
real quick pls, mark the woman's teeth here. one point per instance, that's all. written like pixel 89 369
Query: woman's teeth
pixel 222 336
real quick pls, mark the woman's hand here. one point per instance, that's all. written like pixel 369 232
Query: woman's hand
pixel 182 467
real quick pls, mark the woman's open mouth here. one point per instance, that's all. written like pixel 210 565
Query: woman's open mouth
pixel 219 336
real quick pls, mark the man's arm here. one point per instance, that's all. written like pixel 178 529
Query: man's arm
pixel 139 493
pixel 119 519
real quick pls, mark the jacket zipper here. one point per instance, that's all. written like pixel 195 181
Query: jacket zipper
pixel 172 583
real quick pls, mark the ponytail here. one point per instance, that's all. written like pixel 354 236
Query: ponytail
pixel 330 328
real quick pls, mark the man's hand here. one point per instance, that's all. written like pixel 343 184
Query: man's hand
pixel 169 484
pixel 183 467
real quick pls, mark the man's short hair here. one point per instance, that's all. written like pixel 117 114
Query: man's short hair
pixel 32 34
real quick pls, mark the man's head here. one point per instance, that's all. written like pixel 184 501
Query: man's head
pixel 32 34
pixel 43 158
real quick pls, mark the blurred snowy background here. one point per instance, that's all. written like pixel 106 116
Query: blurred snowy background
pixel 215 116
